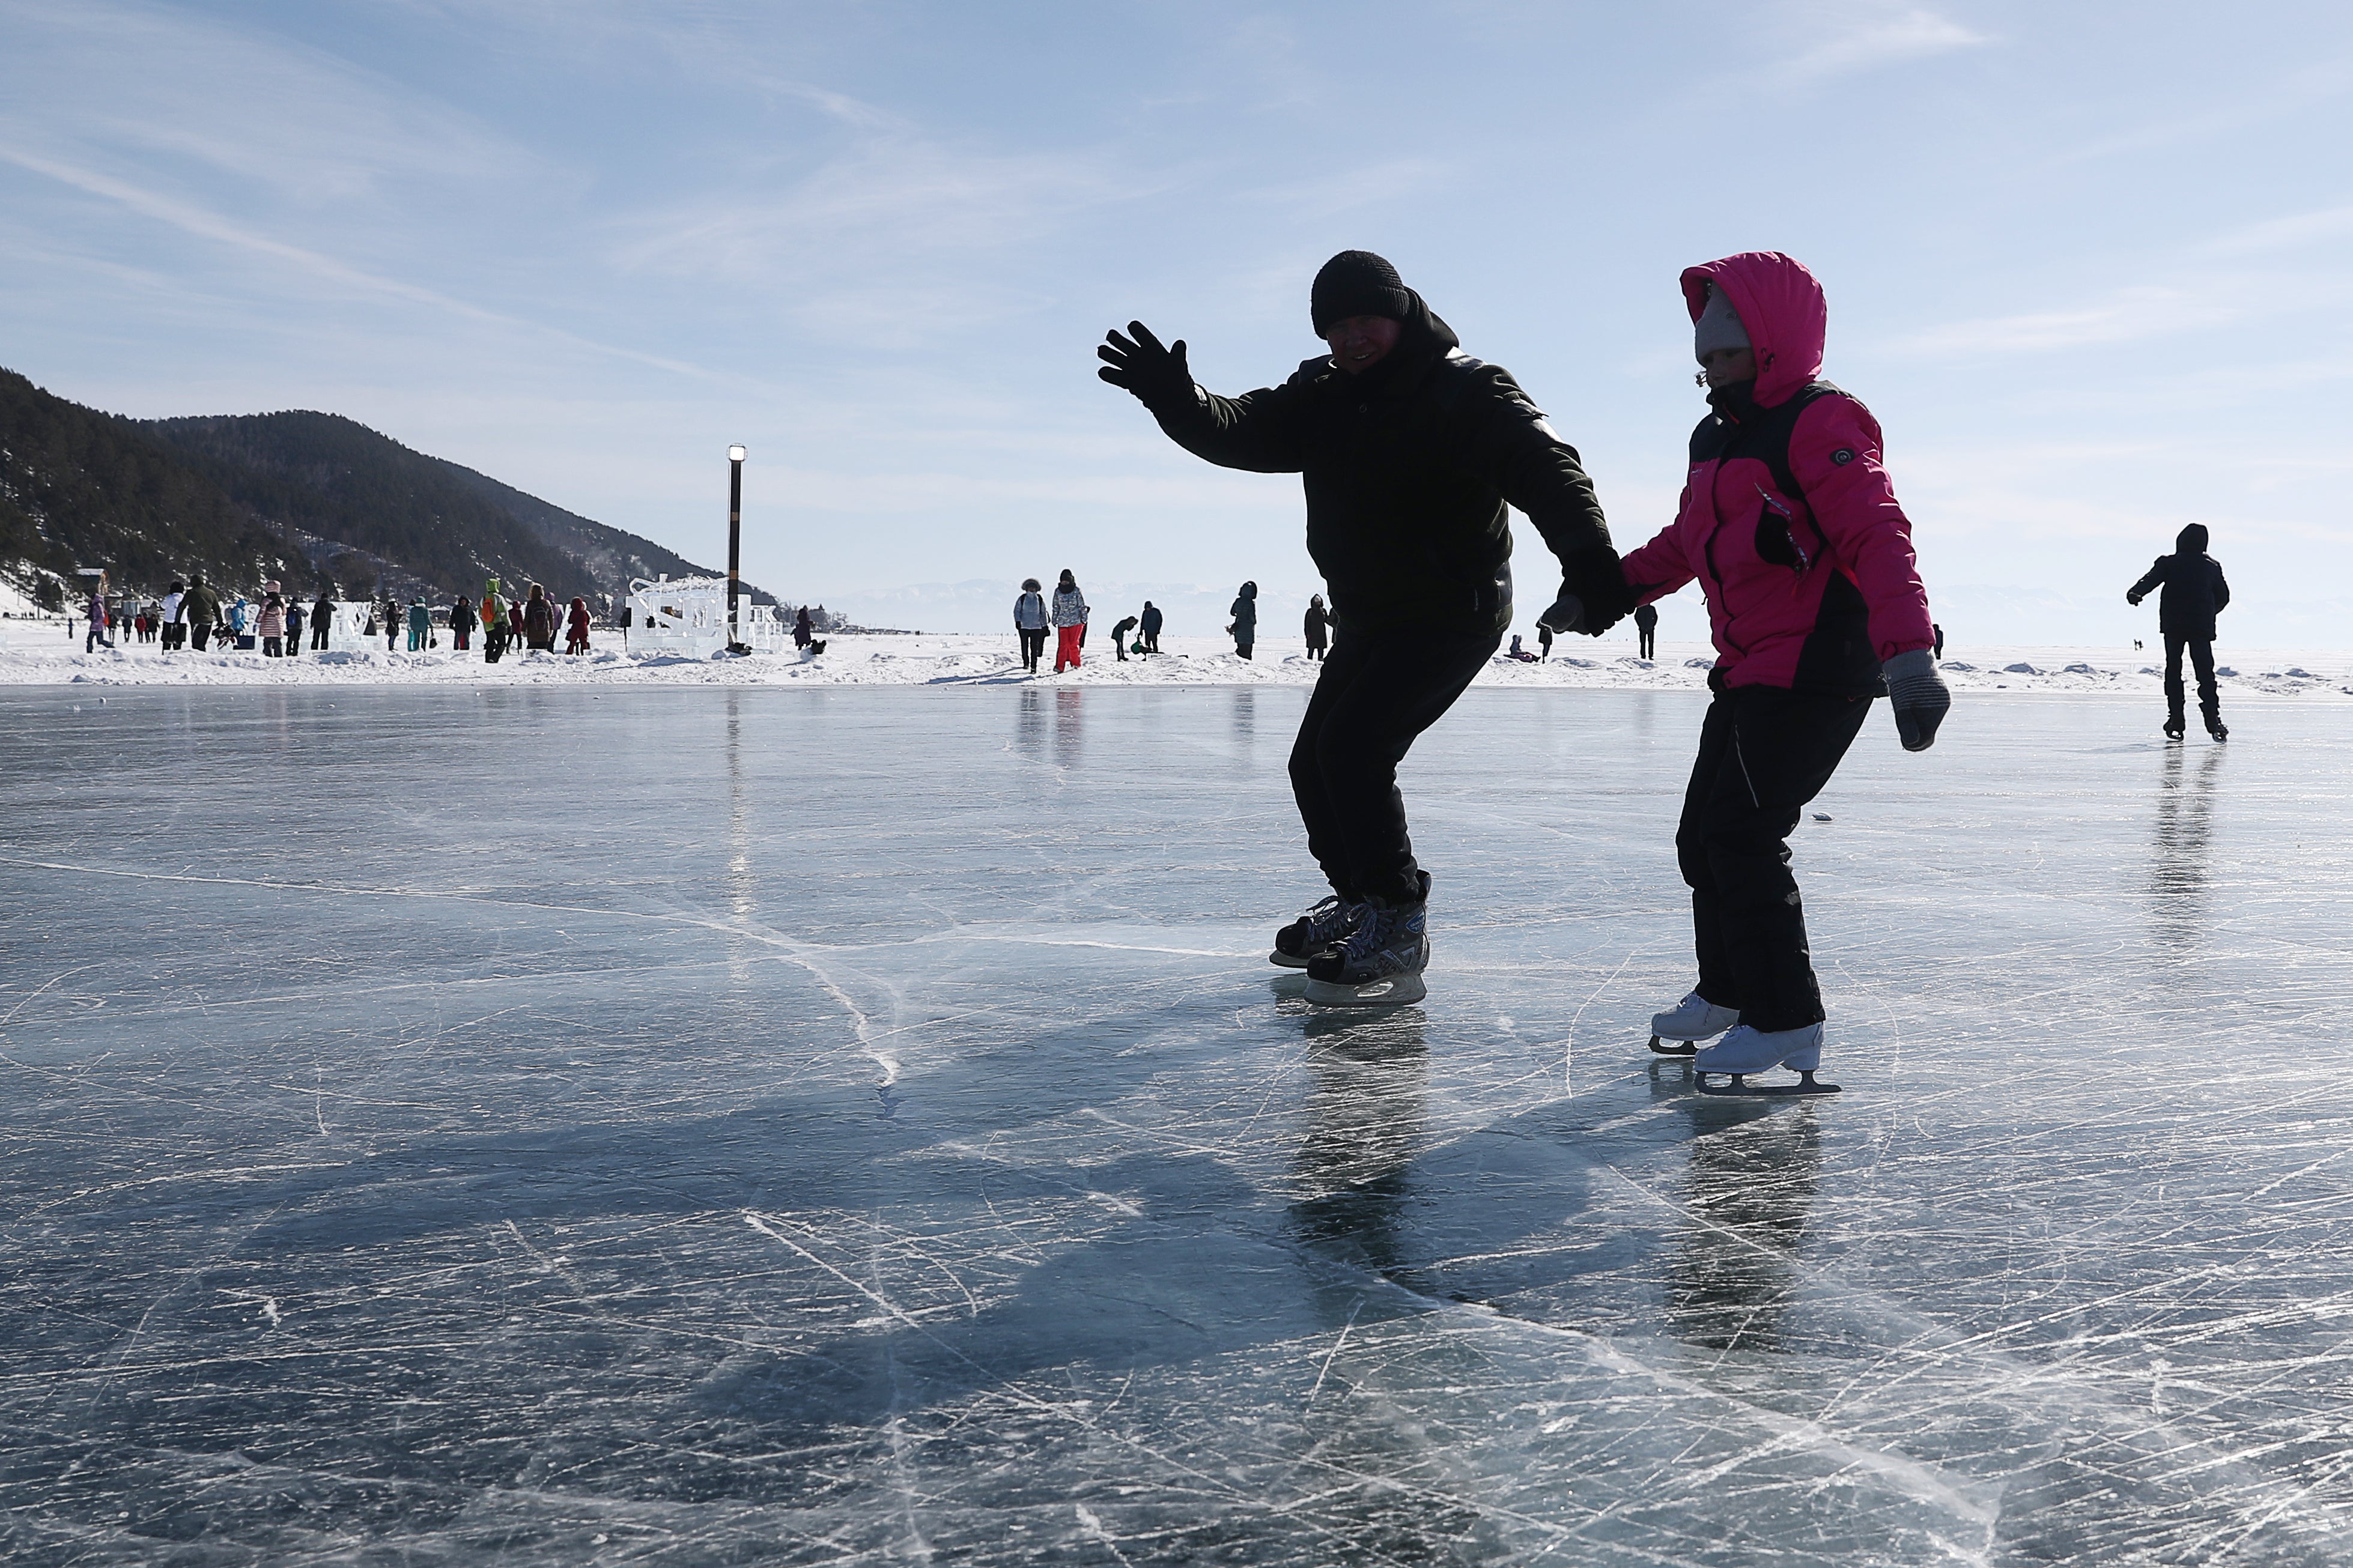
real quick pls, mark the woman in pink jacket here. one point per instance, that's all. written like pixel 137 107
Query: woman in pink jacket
pixel 1792 528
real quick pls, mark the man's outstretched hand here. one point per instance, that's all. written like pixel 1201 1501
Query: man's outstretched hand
pixel 1593 594
pixel 1157 375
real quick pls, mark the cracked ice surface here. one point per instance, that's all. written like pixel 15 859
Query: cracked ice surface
pixel 859 1126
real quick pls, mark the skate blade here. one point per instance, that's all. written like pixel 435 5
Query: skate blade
pixel 1285 961
pixel 1394 992
pixel 1675 1048
pixel 1742 1089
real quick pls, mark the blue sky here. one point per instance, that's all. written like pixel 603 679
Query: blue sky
pixel 2086 262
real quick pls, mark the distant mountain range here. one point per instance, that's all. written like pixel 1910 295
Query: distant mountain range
pixel 309 499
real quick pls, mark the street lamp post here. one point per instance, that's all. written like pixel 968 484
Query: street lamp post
pixel 735 542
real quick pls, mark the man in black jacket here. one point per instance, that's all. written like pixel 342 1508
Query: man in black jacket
pixel 2194 593
pixel 1411 455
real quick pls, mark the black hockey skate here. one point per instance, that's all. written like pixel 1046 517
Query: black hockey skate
pixel 1320 929
pixel 1380 965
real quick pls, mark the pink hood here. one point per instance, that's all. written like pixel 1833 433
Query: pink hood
pixel 1780 304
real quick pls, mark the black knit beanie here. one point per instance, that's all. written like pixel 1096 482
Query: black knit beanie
pixel 1356 283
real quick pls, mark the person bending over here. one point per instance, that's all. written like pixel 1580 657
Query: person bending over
pixel 1411 453
pixel 1792 528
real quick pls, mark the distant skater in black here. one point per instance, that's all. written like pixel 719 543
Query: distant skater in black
pixel 1319 627
pixel 1149 628
pixel 1412 455
pixel 1646 629
pixel 2194 595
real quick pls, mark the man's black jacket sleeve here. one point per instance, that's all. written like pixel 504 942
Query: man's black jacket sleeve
pixel 1258 431
pixel 1506 440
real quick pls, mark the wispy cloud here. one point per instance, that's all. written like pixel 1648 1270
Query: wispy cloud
pixel 2126 315
pixel 1837 37
pixel 213 99
pixel 2283 233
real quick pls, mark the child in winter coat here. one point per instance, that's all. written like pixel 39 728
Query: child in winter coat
pixel 575 633
pixel 1792 528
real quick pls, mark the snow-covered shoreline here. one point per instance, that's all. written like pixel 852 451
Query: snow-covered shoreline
pixel 36 653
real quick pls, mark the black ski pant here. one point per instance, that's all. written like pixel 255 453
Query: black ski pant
pixel 319 636
pixel 1376 694
pixel 1764 753
pixel 1152 642
pixel 2201 658
pixel 1647 637
pixel 1033 646
pixel 198 636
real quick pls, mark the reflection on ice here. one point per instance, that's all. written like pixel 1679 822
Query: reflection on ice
pixel 856 1126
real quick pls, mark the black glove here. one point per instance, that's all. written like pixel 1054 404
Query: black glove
pixel 1566 614
pixel 2133 599
pixel 1919 697
pixel 1593 581
pixel 1157 376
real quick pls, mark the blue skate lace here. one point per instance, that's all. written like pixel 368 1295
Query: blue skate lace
pixel 1372 934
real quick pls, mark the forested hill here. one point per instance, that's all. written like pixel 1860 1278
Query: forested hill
pixel 310 497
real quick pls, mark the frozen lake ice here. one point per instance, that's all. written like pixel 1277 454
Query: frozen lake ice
pixel 859 1126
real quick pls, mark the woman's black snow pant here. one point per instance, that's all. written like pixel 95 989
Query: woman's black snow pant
pixel 1764 753
pixel 1033 645
pixel 1377 692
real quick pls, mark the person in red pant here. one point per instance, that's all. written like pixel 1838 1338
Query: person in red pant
pixel 1070 622
pixel 1791 526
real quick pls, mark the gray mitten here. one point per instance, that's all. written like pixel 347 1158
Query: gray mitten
pixel 1918 695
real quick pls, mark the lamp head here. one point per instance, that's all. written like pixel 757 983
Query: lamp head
pixel 734 453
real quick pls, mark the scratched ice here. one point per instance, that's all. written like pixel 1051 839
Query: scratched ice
pixel 847 1126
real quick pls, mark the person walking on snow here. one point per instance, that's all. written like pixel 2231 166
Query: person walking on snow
pixel 576 626
pixel 323 616
pixel 1148 624
pixel 539 620
pixel 96 638
pixel 1412 454
pixel 270 626
pixel 420 624
pixel 1030 621
pixel 1245 615
pixel 2194 595
pixel 803 629
pixel 1318 626
pixel 462 621
pixel 494 622
pixel 1792 528
pixel 200 610
pixel 1646 631
pixel 1070 622
pixel 175 628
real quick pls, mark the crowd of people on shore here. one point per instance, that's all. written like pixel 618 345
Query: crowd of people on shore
pixel 195 616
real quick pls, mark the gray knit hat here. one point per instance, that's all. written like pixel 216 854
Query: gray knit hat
pixel 1718 327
